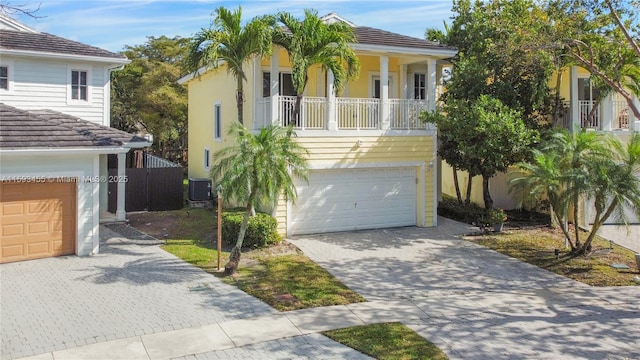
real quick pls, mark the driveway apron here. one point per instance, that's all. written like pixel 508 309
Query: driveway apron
pixel 476 303
pixel 127 290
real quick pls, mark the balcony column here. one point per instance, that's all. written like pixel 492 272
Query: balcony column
pixel 574 111
pixel 404 87
pixel 607 113
pixel 384 92
pixel 275 87
pixel 332 121
pixel 431 84
pixel 121 214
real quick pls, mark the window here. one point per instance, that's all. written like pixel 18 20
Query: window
pixel 586 91
pixel 286 85
pixel 217 121
pixel 4 77
pixel 207 159
pixel 419 86
pixel 79 85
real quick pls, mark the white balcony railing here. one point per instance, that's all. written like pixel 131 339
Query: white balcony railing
pixel 589 117
pixel 405 114
pixel 621 115
pixel 317 113
pixel 358 114
pixel 609 115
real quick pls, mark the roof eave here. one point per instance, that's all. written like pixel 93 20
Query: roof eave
pixel 439 52
pixel 51 55
pixel 40 151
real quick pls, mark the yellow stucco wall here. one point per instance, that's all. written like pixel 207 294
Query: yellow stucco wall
pixel 337 152
pixel 213 86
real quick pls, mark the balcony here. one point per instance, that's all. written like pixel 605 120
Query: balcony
pixel 320 113
pixel 611 115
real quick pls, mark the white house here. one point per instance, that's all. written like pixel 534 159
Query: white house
pixel 54 142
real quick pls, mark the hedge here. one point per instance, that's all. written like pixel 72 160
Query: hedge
pixel 262 230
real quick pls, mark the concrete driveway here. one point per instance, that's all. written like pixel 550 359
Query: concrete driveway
pixel 128 290
pixel 475 303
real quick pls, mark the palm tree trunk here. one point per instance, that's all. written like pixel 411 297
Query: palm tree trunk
pixel 240 99
pixel 597 223
pixel 456 184
pixel 576 227
pixel 486 195
pixel 296 111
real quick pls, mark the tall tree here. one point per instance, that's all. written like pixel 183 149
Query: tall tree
pixel 231 43
pixel 490 137
pixel 146 96
pixel 311 41
pixel 266 162
pixel 501 55
pixel 602 37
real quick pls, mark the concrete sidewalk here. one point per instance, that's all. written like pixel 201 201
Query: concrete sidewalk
pixel 294 334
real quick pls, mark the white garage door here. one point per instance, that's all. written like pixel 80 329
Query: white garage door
pixel 354 199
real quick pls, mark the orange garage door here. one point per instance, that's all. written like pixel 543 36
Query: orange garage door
pixel 37 220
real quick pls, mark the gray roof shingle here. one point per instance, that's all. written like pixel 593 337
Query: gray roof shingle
pixel 43 42
pixel 373 36
pixel 22 129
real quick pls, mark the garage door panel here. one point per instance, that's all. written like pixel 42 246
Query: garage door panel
pixel 37 220
pixel 338 200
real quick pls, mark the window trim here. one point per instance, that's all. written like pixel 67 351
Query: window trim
pixel 393 81
pixel 70 100
pixel 417 87
pixel 217 121
pixel 206 159
pixel 10 68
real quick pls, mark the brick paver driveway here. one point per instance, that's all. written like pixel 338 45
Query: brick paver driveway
pixel 127 290
pixel 475 303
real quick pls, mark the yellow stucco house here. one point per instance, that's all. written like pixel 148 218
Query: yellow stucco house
pixel 373 163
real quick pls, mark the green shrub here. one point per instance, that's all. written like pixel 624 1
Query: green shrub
pixel 470 214
pixel 262 230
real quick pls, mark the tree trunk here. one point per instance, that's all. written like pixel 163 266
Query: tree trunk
pixel 296 110
pixel 469 183
pixel 486 195
pixel 240 99
pixel 576 227
pixel 558 105
pixel 457 185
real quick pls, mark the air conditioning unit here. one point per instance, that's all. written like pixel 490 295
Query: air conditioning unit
pixel 199 189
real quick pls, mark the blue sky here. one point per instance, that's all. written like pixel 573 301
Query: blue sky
pixel 112 24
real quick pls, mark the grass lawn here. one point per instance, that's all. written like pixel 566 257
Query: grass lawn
pixel 536 245
pixel 290 282
pixel 279 275
pixel 387 341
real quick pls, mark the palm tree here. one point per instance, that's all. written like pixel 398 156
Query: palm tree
pixel 310 42
pixel 542 178
pixel 585 165
pixel 615 183
pixel 259 167
pixel 229 42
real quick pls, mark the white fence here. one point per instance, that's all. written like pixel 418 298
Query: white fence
pixel 350 113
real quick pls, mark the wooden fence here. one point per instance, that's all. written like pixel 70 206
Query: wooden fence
pixel 149 188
